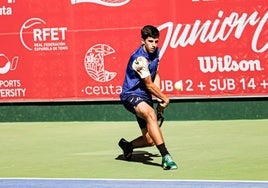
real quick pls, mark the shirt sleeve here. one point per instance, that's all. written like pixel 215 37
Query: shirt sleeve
pixel 140 65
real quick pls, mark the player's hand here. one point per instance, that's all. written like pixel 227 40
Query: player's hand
pixel 164 103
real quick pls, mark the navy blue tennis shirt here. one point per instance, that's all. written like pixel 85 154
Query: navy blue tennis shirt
pixel 136 71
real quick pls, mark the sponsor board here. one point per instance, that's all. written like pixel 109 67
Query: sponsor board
pixel 78 49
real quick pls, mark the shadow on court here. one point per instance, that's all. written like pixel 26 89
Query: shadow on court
pixel 141 157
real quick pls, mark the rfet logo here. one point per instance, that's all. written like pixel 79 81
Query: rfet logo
pixel 36 36
pixel 109 3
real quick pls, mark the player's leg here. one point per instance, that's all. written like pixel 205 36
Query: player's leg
pixel 126 146
pixel 142 141
pixel 147 113
pixel 153 131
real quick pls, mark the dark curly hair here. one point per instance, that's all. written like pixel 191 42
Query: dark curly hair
pixel 149 31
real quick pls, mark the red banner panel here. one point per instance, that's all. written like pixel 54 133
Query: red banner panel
pixel 78 49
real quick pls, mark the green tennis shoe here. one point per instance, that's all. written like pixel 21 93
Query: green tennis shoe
pixel 168 163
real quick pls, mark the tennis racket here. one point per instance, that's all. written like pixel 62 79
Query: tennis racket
pixel 160 115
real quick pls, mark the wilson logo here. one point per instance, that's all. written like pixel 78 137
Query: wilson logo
pixel 227 64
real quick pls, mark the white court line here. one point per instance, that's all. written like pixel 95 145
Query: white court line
pixel 98 179
pixel 127 183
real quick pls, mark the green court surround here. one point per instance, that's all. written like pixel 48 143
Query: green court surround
pixel 184 109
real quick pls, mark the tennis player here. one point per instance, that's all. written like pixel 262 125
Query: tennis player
pixel 141 82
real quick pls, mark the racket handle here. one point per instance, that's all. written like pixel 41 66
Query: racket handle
pixel 159 113
pixel 159 109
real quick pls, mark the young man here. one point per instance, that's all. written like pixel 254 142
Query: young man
pixel 141 82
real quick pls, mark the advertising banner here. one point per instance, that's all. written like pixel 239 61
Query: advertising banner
pixel 77 50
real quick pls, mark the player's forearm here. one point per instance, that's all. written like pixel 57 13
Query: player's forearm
pixel 157 93
pixel 157 80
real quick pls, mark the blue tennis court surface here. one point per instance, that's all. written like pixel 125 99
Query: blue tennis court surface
pixel 106 183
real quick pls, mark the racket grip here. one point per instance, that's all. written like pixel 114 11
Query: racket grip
pixel 159 109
